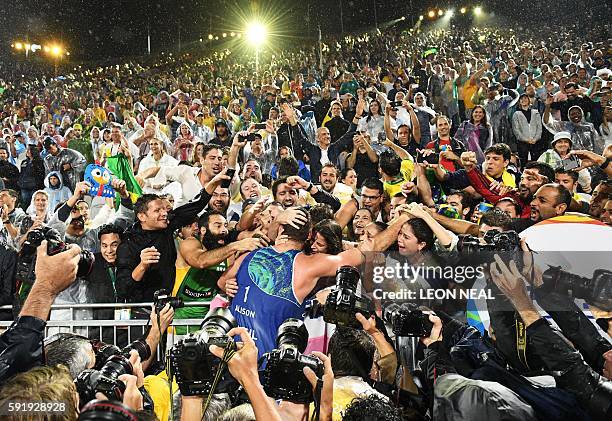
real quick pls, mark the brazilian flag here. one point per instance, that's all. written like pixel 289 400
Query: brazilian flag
pixel 120 167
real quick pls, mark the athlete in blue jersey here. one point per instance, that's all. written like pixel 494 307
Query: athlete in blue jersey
pixel 273 282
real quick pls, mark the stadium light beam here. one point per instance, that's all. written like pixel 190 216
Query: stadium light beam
pixel 421 17
pixel 478 10
pixel 256 34
pixel 18 46
pixel 463 10
pixel 431 14
pixel 210 36
pixel 56 51
pixel 440 12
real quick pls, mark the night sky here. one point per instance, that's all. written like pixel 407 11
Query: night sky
pixel 101 29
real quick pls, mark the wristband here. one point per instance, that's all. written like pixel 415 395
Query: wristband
pixel 605 164
pixel 310 186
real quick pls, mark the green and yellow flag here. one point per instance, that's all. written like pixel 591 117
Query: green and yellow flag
pixel 120 167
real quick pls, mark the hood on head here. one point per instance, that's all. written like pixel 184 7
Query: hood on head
pixel 570 110
pixel 188 127
pixel 222 122
pixel 59 176
pixel 138 107
pixel 99 133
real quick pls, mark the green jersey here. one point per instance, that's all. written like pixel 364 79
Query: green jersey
pixel 198 285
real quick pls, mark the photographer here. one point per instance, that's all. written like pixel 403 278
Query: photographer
pixel 551 348
pixel 243 367
pixel 21 344
pixel 42 384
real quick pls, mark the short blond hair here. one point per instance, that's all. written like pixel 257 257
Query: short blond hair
pixel 42 384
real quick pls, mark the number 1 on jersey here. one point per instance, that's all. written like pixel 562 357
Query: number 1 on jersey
pixel 246 293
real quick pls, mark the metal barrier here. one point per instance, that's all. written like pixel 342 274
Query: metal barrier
pixel 116 332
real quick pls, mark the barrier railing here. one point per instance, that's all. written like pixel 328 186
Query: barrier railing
pixel 116 332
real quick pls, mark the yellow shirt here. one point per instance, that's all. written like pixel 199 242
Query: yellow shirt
pixel 394 187
pixel 159 389
pixel 468 92
pixel 507 179
pixel 100 114
pixel 210 122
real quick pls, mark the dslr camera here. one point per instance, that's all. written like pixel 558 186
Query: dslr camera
pixel 596 290
pixel 162 297
pixel 494 241
pixel 26 260
pixel 194 366
pixel 111 362
pixel 343 302
pixel 283 377
pixel 407 320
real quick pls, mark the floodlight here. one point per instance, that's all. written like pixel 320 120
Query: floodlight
pixel 256 33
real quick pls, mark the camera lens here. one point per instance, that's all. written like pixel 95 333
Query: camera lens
pixel 216 323
pixel 107 411
pixel 347 277
pixel 105 352
pixel 292 333
pixel 141 347
pixel 115 366
pixel 560 280
pixel 390 312
pixel 86 262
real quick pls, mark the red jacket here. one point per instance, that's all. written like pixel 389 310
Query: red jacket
pixel 482 186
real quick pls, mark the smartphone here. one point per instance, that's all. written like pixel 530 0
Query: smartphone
pixel 230 173
pixel 570 164
pixel 395 104
pixel 260 126
pixel 248 138
pixel 430 159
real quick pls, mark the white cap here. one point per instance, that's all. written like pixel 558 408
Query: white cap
pixel 562 135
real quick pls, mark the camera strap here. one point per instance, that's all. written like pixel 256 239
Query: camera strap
pixel 521 341
pixel 228 353
pixel 170 373
pixel 317 400
pixel 162 338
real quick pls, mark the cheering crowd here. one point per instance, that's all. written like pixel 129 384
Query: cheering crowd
pixel 245 191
